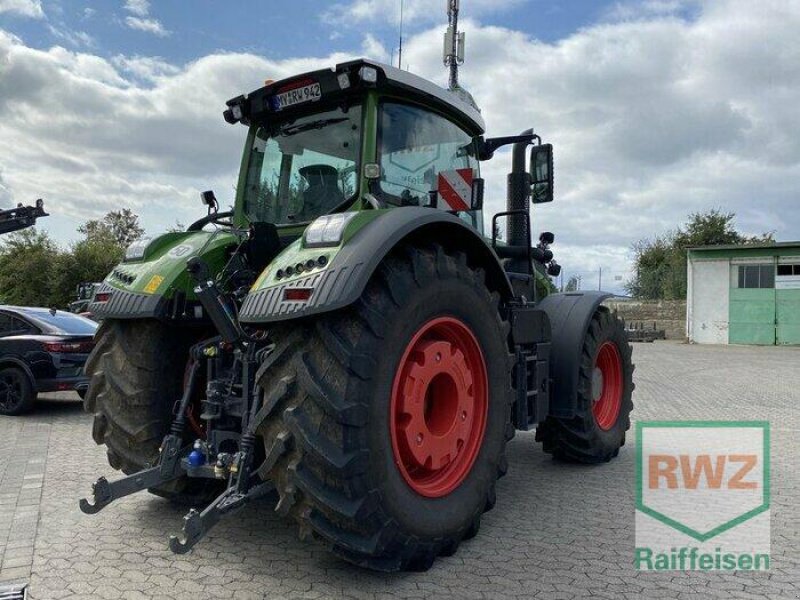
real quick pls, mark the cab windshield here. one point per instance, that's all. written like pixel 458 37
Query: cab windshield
pixel 301 168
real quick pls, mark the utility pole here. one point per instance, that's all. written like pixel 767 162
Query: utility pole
pixel 600 280
pixel 453 43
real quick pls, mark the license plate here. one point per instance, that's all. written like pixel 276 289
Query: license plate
pixel 307 93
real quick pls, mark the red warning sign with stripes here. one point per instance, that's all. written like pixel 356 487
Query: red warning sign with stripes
pixel 455 189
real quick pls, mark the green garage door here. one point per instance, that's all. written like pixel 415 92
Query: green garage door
pixel 787 297
pixel 752 317
pixel 788 316
pixel 752 304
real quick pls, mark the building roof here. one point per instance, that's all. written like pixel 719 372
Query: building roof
pixel 764 246
pixel 745 251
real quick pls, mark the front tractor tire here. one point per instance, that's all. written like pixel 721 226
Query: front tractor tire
pixel 136 375
pixel 605 385
pixel 385 425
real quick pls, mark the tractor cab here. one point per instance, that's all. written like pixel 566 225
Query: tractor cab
pixel 363 135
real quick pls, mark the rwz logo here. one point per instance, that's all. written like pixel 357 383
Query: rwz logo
pixel 663 470
pixel 702 477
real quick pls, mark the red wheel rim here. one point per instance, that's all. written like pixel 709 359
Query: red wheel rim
pixel 607 386
pixel 439 407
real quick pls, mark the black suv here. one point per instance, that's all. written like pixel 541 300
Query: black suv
pixel 41 350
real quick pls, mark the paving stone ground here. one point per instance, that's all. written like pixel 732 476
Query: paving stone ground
pixel 558 530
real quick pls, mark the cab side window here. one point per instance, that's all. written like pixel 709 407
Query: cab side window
pixel 415 145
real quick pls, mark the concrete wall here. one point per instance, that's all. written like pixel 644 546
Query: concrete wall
pixel 669 315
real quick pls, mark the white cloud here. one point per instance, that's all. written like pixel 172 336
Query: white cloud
pixel 629 10
pixel 651 119
pixel 153 26
pixel 145 68
pixel 6 198
pixel 24 8
pixel 372 48
pixel 140 8
pixel 73 38
pixel 422 11
pixel 140 19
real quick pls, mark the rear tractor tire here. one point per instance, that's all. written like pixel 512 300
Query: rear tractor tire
pixel 137 369
pixel 605 385
pixel 386 424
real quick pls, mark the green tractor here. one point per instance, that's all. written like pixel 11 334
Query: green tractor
pixel 348 338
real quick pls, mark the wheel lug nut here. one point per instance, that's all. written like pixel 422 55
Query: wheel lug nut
pixel 419 438
pixel 464 415
pixel 438 357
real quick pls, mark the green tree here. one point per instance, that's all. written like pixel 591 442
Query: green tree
pixel 121 225
pixel 34 271
pixel 27 261
pixel 573 284
pixel 87 261
pixel 660 262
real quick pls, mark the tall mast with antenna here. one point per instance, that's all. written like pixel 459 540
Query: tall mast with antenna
pixel 400 51
pixel 453 43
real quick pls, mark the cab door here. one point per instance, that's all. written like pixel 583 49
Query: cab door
pixel 426 160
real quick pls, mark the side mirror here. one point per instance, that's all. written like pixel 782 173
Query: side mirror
pixel 210 200
pixel 554 269
pixel 541 172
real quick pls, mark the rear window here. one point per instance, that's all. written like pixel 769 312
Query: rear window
pixel 63 322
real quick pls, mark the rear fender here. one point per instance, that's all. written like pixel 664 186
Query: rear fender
pixel 369 238
pixel 570 314
pixel 145 288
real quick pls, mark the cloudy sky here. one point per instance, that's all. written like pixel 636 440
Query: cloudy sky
pixel 656 108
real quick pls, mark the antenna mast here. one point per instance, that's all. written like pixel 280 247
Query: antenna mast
pixel 453 43
pixel 400 51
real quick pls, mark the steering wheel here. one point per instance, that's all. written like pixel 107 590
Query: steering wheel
pixel 216 217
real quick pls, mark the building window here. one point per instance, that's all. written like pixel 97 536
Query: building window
pixel 756 276
pixel 788 270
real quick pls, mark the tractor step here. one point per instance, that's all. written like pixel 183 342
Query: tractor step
pixel 532 375
pixel 530 330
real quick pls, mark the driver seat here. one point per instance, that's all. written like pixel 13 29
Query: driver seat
pixel 322 194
